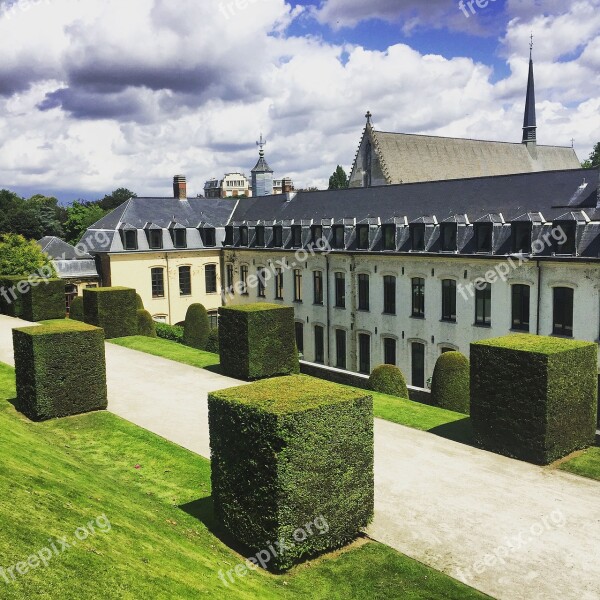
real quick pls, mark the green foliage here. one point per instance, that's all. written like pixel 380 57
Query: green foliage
pixel 115 199
pixel 60 370
pixel 212 344
pixel 114 309
pixel 286 451
pixel 145 323
pixel 80 216
pixel 139 302
pixel 257 341
pixel 196 328
pixel 450 385
pixel 33 218
pixel 45 301
pixel 593 162
pixel 388 379
pixel 173 333
pixel 76 309
pixel 534 398
pixel 19 257
pixel 339 179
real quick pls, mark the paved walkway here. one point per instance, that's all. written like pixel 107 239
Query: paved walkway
pixel 510 529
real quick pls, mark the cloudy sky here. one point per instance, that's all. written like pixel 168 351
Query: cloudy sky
pixel 100 94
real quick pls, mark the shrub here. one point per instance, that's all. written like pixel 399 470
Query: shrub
pixel 145 324
pixel 450 383
pixel 196 328
pixel 10 299
pixel 173 333
pixel 388 379
pixel 39 302
pixel 212 344
pixel 257 341
pixel 113 309
pixel 139 302
pixel 60 370
pixel 533 398
pixel 288 450
pixel 76 309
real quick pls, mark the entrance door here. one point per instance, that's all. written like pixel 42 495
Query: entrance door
pixel 418 364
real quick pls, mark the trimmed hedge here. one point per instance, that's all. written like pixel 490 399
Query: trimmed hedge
pixel 145 324
pixel 173 333
pixel 196 328
pixel 76 309
pixel 388 379
pixel 139 302
pixel 286 451
pixel 113 309
pixel 450 384
pixel 10 299
pixel 212 344
pixel 60 370
pixel 532 397
pixel 257 341
pixel 43 300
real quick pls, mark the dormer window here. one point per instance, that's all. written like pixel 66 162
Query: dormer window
pixel 130 239
pixel 317 234
pixel 243 236
pixel 566 243
pixel 278 236
pixel 483 237
pixel 389 237
pixel 521 238
pixel 259 233
pixel 155 239
pixel 209 237
pixel 229 235
pixel 179 237
pixel 338 236
pixel 362 237
pixel 296 236
pixel 417 237
pixel 449 235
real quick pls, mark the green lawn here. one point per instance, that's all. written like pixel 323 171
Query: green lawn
pixel 587 464
pixel 163 542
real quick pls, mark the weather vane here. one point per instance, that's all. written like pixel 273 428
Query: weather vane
pixel 261 144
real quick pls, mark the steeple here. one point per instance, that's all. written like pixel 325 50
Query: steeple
pixel 262 174
pixel 529 121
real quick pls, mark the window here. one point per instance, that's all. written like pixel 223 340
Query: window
pixel 449 235
pixel 364 353
pixel 483 306
pixel 179 237
pixel 185 281
pixel 563 311
pixel 299 328
pixel 297 285
pixel 260 236
pixel 483 237
pixel 260 274
pixel 210 278
pixel 278 284
pixel 338 236
pixel 213 319
pixel 447 349
pixel 389 237
pixel 244 279
pixel 296 236
pixel 318 287
pixel 319 345
pixel 340 290
pixel 317 234
pixel 363 292
pixel 278 236
pixel 130 238
pixel 70 294
pixel 340 348
pixel 568 245
pixel 362 237
pixel 449 300
pixel 418 364
pixel 155 239
pixel 158 282
pixel 417 238
pixel 520 307
pixel 389 295
pixel 243 236
pixel 521 237
pixel 228 235
pixel 209 236
pixel 229 276
pixel 418 297
pixel 389 351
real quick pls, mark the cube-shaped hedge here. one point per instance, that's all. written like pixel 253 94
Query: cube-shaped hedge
pixel 532 397
pixel 45 301
pixel 114 309
pixel 257 341
pixel 11 303
pixel 287 451
pixel 60 370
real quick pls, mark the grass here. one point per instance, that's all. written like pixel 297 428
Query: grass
pixel 586 464
pixel 163 542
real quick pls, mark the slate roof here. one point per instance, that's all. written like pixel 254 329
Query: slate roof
pixel 58 249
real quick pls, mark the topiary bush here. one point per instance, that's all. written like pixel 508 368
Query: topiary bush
pixel 139 302
pixel 113 309
pixel 76 309
pixel 388 379
pixel 257 341
pixel 212 344
pixel 286 451
pixel 146 324
pixel 60 370
pixel 532 397
pixel 450 384
pixel 196 328
pixel 10 298
pixel 173 333
pixel 32 299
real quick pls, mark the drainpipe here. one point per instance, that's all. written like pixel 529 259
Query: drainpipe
pixel 539 296
pixel 168 288
pixel 328 309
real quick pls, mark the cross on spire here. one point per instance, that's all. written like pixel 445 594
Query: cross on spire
pixel 368 116
pixel 261 145
pixel 531 46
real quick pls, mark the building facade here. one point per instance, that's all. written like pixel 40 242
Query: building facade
pixel 231 186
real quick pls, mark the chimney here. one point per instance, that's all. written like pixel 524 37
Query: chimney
pixel 180 187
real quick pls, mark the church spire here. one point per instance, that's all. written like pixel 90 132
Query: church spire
pixel 529 121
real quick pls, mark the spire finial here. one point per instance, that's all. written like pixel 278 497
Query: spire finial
pixel 261 145
pixel 531 47
pixel 368 116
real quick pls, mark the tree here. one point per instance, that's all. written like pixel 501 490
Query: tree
pixel 593 162
pixel 79 218
pixel 339 179
pixel 19 256
pixel 116 198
